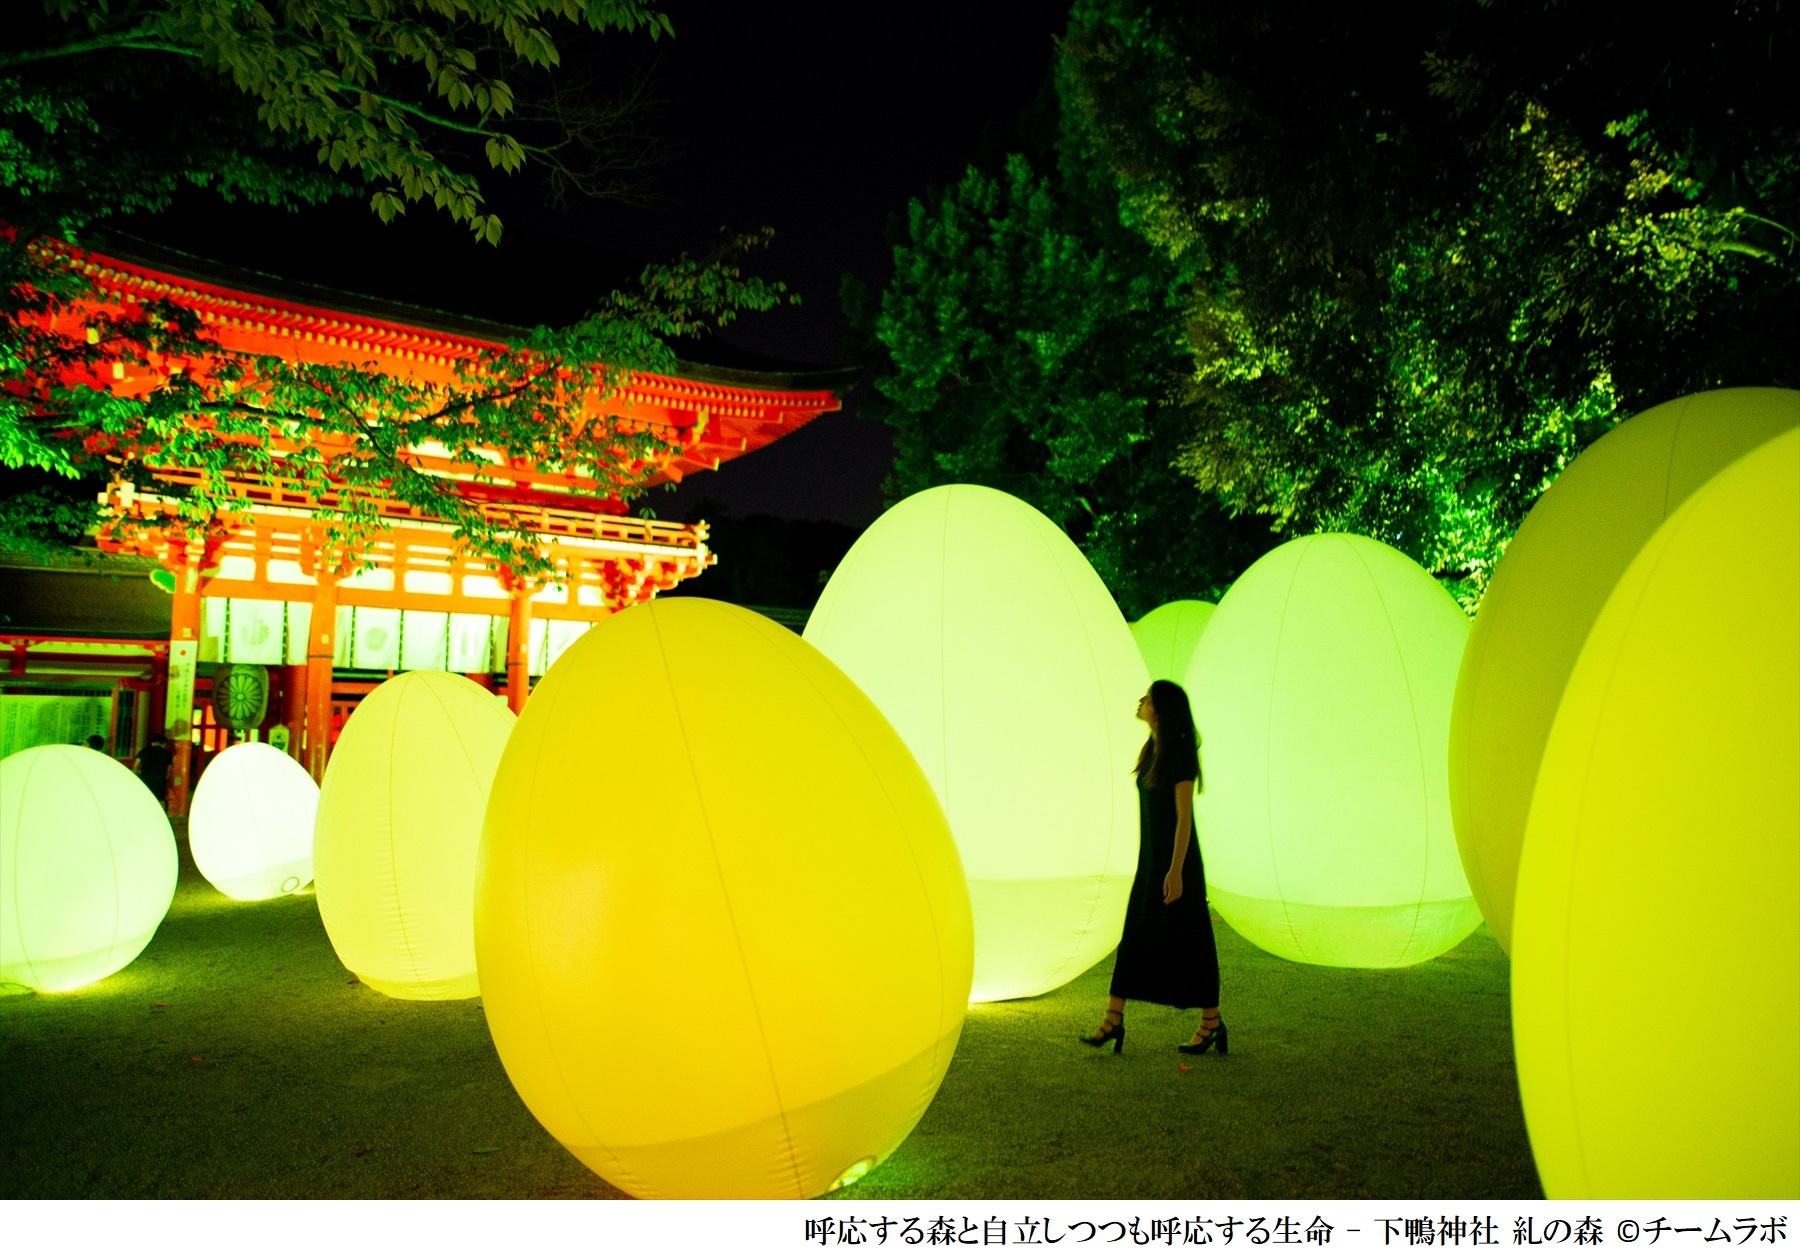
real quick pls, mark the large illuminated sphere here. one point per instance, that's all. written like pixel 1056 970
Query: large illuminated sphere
pixel 1656 947
pixel 1167 636
pixel 1322 694
pixel 87 867
pixel 983 634
pixel 1537 611
pixel 727 955
pixel 251 823
pixel 398 828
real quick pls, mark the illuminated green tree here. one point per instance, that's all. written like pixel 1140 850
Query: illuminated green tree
pixel 1026 348
pixel 1424 263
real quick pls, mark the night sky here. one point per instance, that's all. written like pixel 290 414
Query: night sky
pixel 819 120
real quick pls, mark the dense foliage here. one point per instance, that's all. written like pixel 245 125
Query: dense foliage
pixel 1026 347
pixel 1415 258
pixel 109 110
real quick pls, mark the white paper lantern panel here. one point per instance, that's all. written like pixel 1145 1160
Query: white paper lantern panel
pixel 212 628
pixel 424 640
pixel 299 631
pixel 254 631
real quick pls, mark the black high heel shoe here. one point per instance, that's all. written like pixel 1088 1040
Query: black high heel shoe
pixel 1217 1034
pixel 1115 1034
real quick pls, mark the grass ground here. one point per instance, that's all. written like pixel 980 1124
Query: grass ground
pixel 236 1057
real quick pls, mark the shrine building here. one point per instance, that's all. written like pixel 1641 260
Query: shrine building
pixel 132 633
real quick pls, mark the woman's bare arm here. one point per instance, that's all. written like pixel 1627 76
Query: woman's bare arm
pixel 1184 828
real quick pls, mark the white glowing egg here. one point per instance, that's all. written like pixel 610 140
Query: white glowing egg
pixel 251 824
pixel 986 638
pixel 87 867
pixel 1322 693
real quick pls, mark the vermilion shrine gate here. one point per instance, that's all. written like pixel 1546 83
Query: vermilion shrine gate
pixel 263 585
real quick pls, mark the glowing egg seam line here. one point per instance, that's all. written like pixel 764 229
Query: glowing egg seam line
pixel 1095 895
pixel 762 1035
pixel 1412 707
pixel 1269 747
pixel 943 618
pixel 462 746
pixel 1612 673
pixel 547 701
pixel 937 942
pixel 1674 443
pixel 113 854
pixel 393 849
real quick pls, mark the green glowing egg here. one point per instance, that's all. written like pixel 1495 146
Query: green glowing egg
pixel 984 636
pixel 251 825
pixel 1537 611
pixel 1167 636
pixel 1656 935
pixel 88 862
pixel 1322 694
pixel 398 826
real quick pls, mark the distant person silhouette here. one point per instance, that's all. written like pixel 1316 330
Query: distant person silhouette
pixel 97 742
pixel 153 762
pixel 1167 954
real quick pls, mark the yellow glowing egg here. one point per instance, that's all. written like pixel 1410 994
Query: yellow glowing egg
pixel 87 867
pixel 251 823
pixel 1321 691
pixel 983 634
pixel 1167 636
pixel 1557 572
pixel 1656 947
pixel 727 954
pixel 398 828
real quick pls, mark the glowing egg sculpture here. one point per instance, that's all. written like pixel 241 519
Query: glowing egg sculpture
pixel 730 955
pixel 1322 694
pixel 87 867
pixel 1659 884
pixel 1546 592
pixel 251 823
pixel 982 633
pixel 1167 636
pixel 399 824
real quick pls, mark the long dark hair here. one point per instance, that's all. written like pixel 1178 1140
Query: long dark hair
pixel 1172 753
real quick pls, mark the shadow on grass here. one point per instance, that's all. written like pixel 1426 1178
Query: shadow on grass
pixel 237 1058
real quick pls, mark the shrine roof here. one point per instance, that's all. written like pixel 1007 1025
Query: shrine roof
pixel 749 372
pixel 708 413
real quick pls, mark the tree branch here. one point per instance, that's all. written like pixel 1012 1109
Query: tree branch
pixel 131 40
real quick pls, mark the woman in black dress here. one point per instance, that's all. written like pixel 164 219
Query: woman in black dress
pixel 1167 954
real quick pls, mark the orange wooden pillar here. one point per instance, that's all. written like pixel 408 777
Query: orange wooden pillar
pixel 293 708
pixel 184 657
pixel 518 646
pixel 315 741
